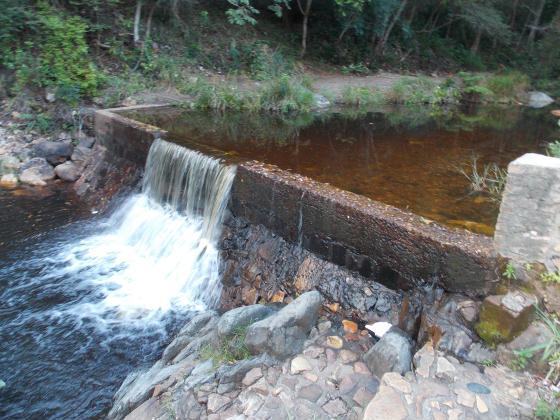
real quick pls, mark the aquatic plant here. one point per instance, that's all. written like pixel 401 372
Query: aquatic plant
pixel 490 180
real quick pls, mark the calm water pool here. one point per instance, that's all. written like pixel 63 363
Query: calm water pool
pixel 410 158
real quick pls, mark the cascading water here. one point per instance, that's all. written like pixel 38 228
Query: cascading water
pixel 84 311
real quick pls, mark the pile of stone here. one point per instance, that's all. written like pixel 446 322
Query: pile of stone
pixel 34 160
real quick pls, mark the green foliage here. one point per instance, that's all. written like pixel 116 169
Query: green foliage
pixel 241 13
pixel 41 122
pixel 522 359
pixel 229 350
pixel 491 180
pixel 286 94
pixel 510 273
pixel 362 96
pixel 553 278
pixel 546 411
pixel 423 90
pixel 359 68
pixel 553 149
pixel 507 85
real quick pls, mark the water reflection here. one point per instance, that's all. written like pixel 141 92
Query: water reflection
pixel 407 157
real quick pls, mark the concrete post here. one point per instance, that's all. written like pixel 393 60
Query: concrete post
pixel 528 228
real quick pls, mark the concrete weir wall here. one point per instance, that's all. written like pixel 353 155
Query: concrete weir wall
pixel 391 246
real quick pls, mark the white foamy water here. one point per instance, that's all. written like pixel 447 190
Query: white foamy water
pixel 157 253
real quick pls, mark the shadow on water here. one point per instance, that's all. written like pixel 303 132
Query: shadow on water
pixel 408 157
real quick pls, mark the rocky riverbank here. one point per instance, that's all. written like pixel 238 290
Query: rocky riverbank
pixel 298 361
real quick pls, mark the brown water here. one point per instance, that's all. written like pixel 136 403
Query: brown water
pixel 408 158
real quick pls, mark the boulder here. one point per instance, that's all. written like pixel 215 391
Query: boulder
pixel 538 99
pixel 503 317
pixel 54 152
pixel 8 181
pixel 36 171
pixel 537 334
pixel 80 154
pixel 86 142
pixel 67 171
pixel 9 164
pixel 320 101
pixel 392 353
pixel 283 334
pixel 241 317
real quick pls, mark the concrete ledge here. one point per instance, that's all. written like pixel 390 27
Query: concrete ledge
pixel 391 246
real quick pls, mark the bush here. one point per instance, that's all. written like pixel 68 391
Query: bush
pixel 553 149
pixel 423 90
pixel 55 57
pixel 286 94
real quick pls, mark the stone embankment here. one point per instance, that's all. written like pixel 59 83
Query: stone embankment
pixel 298 361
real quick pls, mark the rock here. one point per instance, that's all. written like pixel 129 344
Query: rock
pixel 335 342
pixel 283 334
pixel 387 404
pixel 50 97
pixel 335 408
pixel 481 405
pixel 478 354
pixel 241 317
pixel 54 152
pixel 299 364
pixel 278 297
pixel 535 335
pixel 392 353
pixel 310 392
pixel 348 356
pixel 228 373
pixel 379 328
pixel 445 369
pixel 362 397
pixel 80 154
pixel 199 324
pixel 252 376
pixel 320 101
pixel 349 326
pixel 8 181
pixel 9 165
pixel 68 171
pixel 443 328
pixel 217 402
pixel 87 142
pixel 538 99
pixel 465 397
pixel 502 317
pixel 424 359
pixel 468 309
pixel 36 171
pixel 396 381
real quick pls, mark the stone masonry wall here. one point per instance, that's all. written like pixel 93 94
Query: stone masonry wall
pixel 528 228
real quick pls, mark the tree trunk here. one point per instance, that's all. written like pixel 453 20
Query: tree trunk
pixel 305 12
pixel 476 43
pixel 137 17
pixel 536 21
pixel 383 41
pixel 149 22
pixel 513 14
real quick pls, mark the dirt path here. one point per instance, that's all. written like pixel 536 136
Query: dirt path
pixel 332 84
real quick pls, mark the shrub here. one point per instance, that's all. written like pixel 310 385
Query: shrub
pixel 286 94
pixel 422 90
pixel 57 57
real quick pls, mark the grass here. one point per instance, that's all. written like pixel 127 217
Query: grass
pixel 423 90
pixel 551 349
pixel 490 180
pixel 229 350
pixel 362 96
pixel 547 411
pixel 553 278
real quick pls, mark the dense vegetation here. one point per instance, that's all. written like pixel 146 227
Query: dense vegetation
pixel 87 48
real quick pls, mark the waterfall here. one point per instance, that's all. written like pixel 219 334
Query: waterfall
pixel 190 182
pixel 157 253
